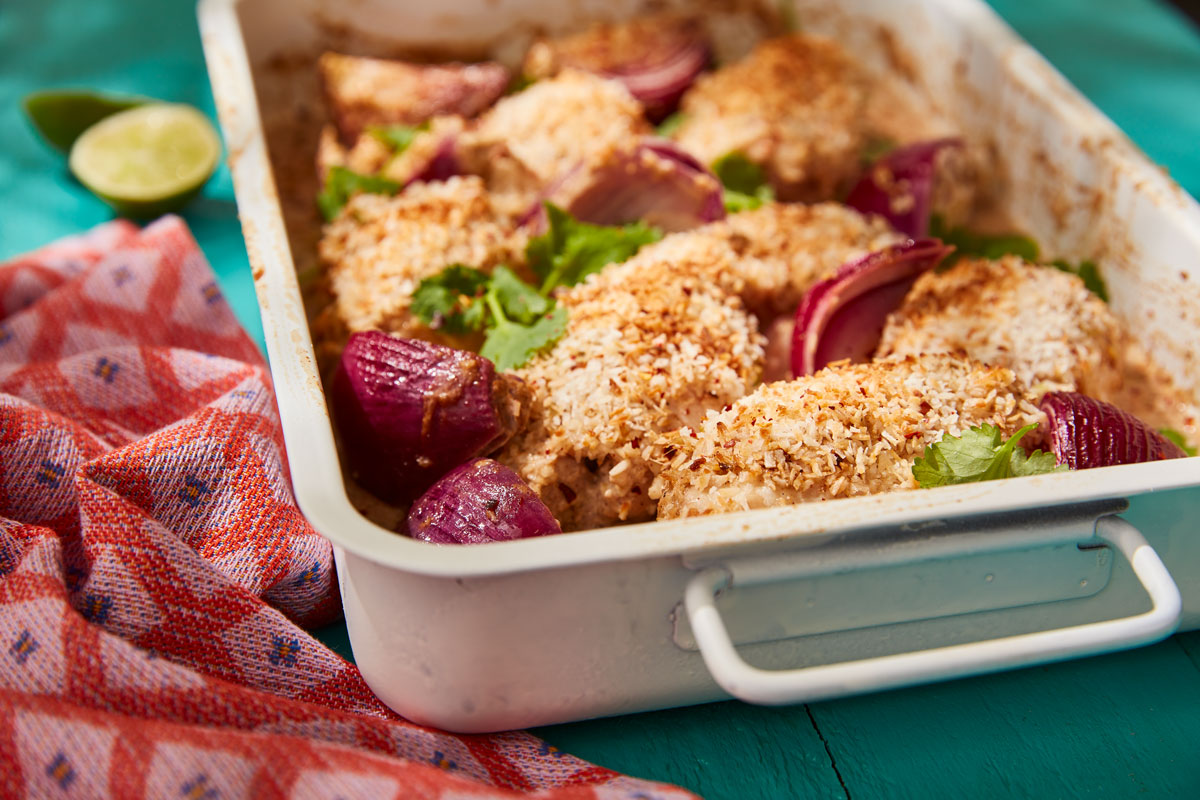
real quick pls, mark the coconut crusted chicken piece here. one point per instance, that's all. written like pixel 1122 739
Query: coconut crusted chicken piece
pixel 375 91
pixel 770 256
pixel 848 430
pixel 370 155
pixel 654 56
pixel 530 138
pixel 1042 323
pixel 638 358
pixel 794 106
pixel 379 248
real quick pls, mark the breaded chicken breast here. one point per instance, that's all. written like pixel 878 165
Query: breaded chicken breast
pixel 530 138
pixel 379 248
pixel 848 430
pixel 794 106
pixel 1042 323
pixel 769 256
pixel 375 91
pixel 638 358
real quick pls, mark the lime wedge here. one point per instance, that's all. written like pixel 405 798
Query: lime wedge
pixel 147 160
pixel 60 115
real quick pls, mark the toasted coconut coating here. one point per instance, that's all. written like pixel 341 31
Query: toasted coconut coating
pixel 376 91
pixel 769 256
pixel 379 248
pixel 848 430
pixel 638 358
pixel 795 106
pixel 1042 323
pixel 528 139
pixel 612 47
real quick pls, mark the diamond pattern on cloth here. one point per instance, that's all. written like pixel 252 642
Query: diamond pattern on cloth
pixel 155 571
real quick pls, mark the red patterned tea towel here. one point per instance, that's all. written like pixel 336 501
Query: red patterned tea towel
pixel 154 569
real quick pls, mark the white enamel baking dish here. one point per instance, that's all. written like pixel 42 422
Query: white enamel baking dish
pixel 811 602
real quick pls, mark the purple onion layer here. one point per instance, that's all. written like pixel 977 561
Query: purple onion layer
pixel 899 186
pixel 408 411
pixel 843 316
pixel 477 502
pixel 1087 433
pixel 655 181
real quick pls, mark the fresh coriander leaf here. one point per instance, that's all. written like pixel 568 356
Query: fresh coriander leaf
pixel 1179 439
pixel 452 299
pixel 397 137
pixel 1039 462
pixel 519 83
pixel 1089 273
pixel 746 185
pixel 668 126
pixel 510 345
pixel 520 301
pixel 980 454
pixel 571 250
pixel 342 183
pixel 739 173
pixel 967 243
pixel 876 148
pixel 738 201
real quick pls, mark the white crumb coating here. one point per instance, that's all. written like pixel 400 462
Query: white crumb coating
pixel 374 91
pixel 846 431
pixel 379 248
pixel 555 125
pixel 769 256
pixel 610 46
pixel 795 106
pixel 638 358
pixel 1042 323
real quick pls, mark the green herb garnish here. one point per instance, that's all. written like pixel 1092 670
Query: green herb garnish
pixel 1179 439
pixel 519 83
pixel 980 455
pixel 571 250
pixel 342 183
pixel 876 148
pixel 1088 273
pixel 746 185
pixel 521 320
pixel 668 126
pixel 451 300
pixel 982 245
pixel 397 137
pixel 511 344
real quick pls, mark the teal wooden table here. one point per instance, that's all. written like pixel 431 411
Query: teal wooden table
pixel 1113 726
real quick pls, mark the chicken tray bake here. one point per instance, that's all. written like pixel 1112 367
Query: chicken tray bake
pixel 650 273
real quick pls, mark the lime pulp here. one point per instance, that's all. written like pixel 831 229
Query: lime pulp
pixel 147 160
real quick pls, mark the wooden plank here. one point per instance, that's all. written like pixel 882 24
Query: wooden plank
pixel 727 751
pixel 1113 726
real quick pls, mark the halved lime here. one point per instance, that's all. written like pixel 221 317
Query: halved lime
pixel 148 160
pixel 61 115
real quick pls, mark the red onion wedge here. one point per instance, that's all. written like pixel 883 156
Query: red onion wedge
pixel 409 410
pixel 442 165
pixel 655 182
pixel 899 186
pixel 843 316
pixel 375 91
pixel 655 58
pixel 1086 433
pixel 477 502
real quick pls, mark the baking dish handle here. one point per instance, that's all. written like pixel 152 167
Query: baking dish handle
pixel 808 684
